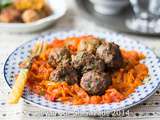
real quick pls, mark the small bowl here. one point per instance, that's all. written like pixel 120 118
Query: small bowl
pixel 57 6
pixel 109 7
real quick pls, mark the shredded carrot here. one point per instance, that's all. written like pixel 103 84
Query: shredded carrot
pixel 95 99
pixel 56 43
pixel 124 80
pixel 131 76
pixel 72 44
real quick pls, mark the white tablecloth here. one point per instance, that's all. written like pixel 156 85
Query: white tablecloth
pixel 147 110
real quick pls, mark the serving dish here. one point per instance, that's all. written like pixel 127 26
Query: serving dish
pixel 151 83
pixel 109 7
pixel 59 9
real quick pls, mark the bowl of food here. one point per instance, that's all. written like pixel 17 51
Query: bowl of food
pixel 82 72
pixel 29 15
pixel 109 7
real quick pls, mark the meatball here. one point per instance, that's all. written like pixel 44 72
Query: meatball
pixel 30 16
pixel 65 73
pixel 95 82
pixel 59 56
pixel 89 44
pixel 111 54
pixel 10 14
pixel 87 61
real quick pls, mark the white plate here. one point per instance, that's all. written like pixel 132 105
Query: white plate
pixel 58 7
pixel 141 93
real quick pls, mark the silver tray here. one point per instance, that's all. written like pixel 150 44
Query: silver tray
pixel 114 22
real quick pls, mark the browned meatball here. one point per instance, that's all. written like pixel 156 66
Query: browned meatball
pixel 30 16
pixel 59 56
pixel 87 61
pixel 89 44
pixel 10 14
pixel 95 82
pixel 111 54
pixel 64 73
